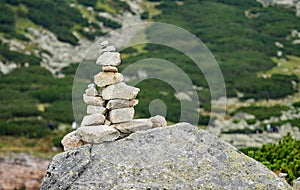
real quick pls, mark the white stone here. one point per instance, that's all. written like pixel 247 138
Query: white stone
pixel 107 122
pixel 71 140
pixel 107 49
pixel 97 134
pixel 109 59
pixel 95 109
pixel 158 121
pixel 92 100
pixel 109 69
pixel 93 119
pixel 107 78
pixel 134 125
pixel 104 44
pixel 120 91
pixel 121 103
pixel 91 91
pixel 121 115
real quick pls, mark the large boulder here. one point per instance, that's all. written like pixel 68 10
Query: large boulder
pixel 173 157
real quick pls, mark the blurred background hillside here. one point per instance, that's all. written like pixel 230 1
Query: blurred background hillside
pixel 256 43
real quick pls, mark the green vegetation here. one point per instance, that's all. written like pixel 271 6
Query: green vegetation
pixel 12 56
pixel 108 22
pixel 282 157
pixel 296 104
pixel 262 113
pixel 240 56
pixel 57 16
pixel 20 94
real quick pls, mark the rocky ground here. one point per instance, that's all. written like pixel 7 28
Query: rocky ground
pixel 224 128
pixel 284 3
pixel 21 171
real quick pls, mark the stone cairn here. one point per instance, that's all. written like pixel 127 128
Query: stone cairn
pixel 110 105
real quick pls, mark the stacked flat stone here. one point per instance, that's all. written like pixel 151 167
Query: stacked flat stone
pixel 110 106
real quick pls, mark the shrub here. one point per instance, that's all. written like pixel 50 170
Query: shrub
pixel 262 113
pixel 60 111
pixel 296 104
pixel 145 15
pixel 90 3
pixel 282 157
pixel 108 22
pixel 27 128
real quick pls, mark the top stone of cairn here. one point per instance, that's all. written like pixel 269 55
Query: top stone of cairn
pixel 109 56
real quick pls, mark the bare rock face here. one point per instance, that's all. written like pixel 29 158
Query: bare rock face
pixel 120 91
pixel 97 134
pixel 107 78
pixel 173 157
pixel 121 115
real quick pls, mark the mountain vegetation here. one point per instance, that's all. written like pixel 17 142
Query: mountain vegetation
pixel 283 157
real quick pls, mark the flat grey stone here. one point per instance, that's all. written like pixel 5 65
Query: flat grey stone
pixel 109 59
pixel 121 115
pixel 97 134
pixel 93 119
pixel 181 156
pixel 93 100
pixel 134 126
pixel 121 103
pixel 107 78
pixel 119 91
pixel 95 109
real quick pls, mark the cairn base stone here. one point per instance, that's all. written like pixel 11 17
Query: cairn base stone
pixel 133 126
pixel 97 134
pixel 94 119
pixel 71 140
